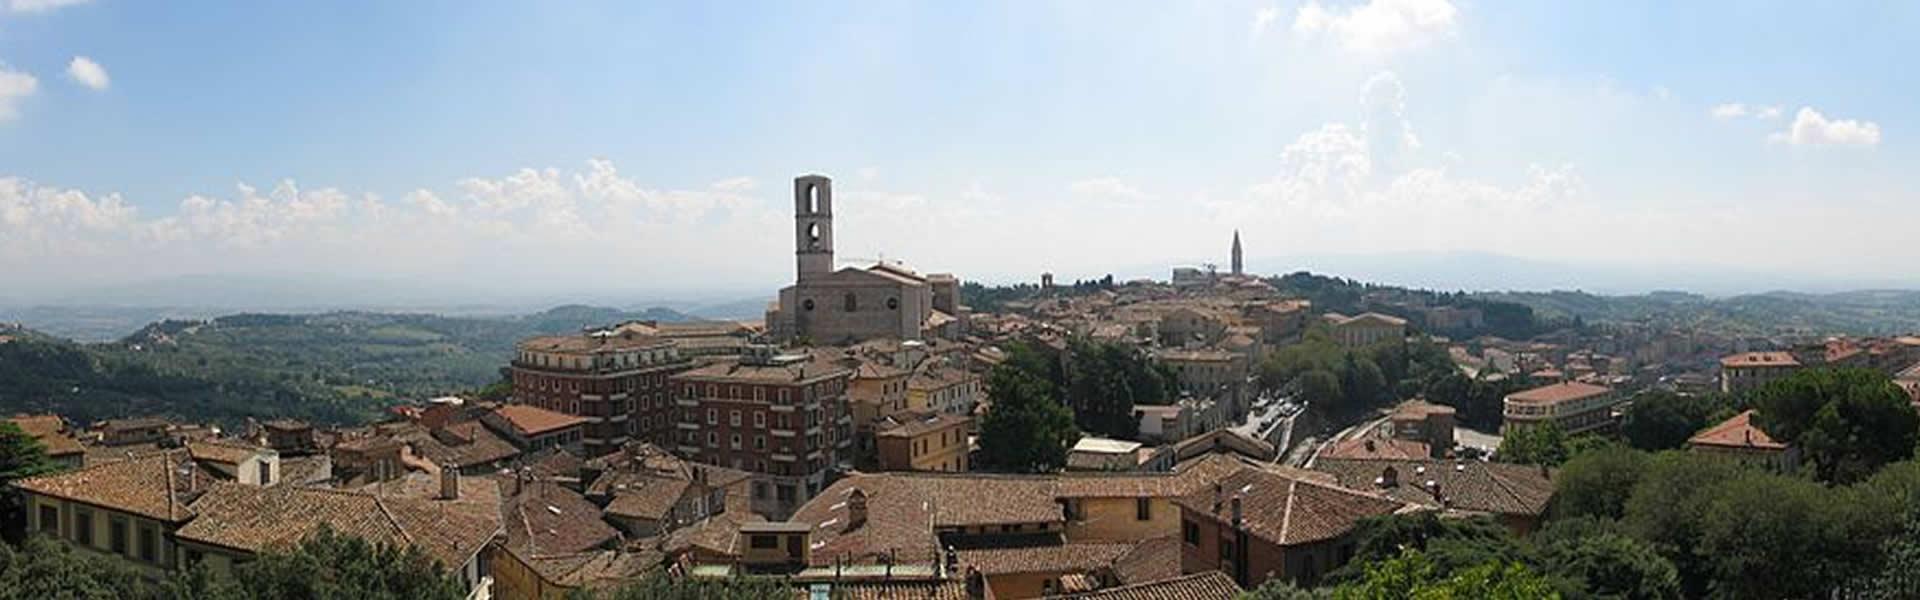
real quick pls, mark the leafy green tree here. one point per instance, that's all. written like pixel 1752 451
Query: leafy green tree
pixel 21 456
pixel 1105 380
pixel 1899 576
pixel 1542 444
pixel 1848 422
pixel 1665 420
pixel 1320 389
pixel 1411 576
pixel 1448 544
pixel 1026 429
pixel 327 565
pixel 1279 589
pixel 1365 386
pixel 1598 483
pixel 1668 509
pixel 1610 565
pixel 1771 536
pixel 45 568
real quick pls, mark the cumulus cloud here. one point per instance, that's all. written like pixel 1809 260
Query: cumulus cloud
pixel 36 6
pixel 1732 110
pixel 1736 110
pixel 14 86
pixel 545 226
pixel 1264 18
pixel 88 73
pixel 1378 25
pixel 1367 188
pixel 1810 128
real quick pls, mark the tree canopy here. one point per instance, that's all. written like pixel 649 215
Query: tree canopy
pixel 1665 420
pixel 1847 422
pixel 1026 429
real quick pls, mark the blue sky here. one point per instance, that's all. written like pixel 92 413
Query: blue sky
pixel 543 141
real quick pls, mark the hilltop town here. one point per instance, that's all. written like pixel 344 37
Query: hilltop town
pixel 884 432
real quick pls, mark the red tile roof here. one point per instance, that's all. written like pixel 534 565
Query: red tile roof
pixel 533 420
pixel 1737 432
pixel 1559 392
pixel 1378 448
pixel 1208 585
pixel 1050 558
pixel 1497 488
pixel 1285 510
pixel 159 485
pixel 253 518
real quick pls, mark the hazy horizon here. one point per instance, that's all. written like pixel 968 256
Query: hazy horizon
pixel 612 150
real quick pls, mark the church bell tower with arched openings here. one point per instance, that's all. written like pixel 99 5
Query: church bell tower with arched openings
pixel 813 225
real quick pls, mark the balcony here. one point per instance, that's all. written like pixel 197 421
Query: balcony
pixel 784 458
pixel 687 402
pixel 782 433
pixel 685 426
pixel 787 408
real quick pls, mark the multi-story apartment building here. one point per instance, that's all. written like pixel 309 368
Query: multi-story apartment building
pixel 1573 406
pixel 944 389
pixel 783 417
pixel 924 442
pixel 614 378
pixel 1748 370
pixel 1366 329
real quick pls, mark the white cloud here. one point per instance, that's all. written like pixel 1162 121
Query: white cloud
pixel 1732 110
pixel 1378 25
pixel 1264 18
pixel 1810 128
pixel 35 6
pixel 14 85
pixel 88 73
pixel 1736 110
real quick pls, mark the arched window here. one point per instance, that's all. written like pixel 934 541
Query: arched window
pixel 806 304
pixel 852 303
pixel 813 235
pixel 813 198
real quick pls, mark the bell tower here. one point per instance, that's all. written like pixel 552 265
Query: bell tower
pixel 813 225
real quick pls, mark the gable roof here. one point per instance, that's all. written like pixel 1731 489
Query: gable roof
pixel 1759 359
pixel 546 519
pixel 159 485
pixel 253 519
pixel 1737 432
pixel 226 453
pixel 532 420
pixel 49 431
pixel 1287 510
pixel 1048 558
pixel 1207 585
pixel 1377 448
pixel 1497 488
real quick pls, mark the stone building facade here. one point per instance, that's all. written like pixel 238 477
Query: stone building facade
pixel 829 306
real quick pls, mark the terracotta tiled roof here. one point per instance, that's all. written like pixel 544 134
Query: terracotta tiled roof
pixel 717 534
pixel 917 425
pixel 1559 392
pixel 1378 448
pixel 533 420
pixel 594 569
pixel 1052 558
pixel 158 485
pixel 816 367
pixel 646 496
pixel 1759 359
pixel 1497 488
pixel 1149 560
pixel 1209 585
pixel 1737 432
pixel 253 519
pixel 949 589
pixel 48 429
pixel 1287 510
pixel 936 378
pixel 228 453
pixel 583 343
pixel 463 445
pixel 547 519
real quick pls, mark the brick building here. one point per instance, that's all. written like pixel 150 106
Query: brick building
pixel 783 417
pixel 615 378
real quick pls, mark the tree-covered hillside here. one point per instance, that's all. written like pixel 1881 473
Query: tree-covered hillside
pixel 337 367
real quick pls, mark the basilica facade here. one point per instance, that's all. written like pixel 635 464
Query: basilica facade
pixel 826 305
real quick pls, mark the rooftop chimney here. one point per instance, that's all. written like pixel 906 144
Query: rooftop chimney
pixel 856 509
pixel 449 482
pixel 1236 512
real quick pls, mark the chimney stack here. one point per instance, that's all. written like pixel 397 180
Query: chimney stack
pixel 1236 512
pixel 856 509
pixel 976 584
pixel 449 482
